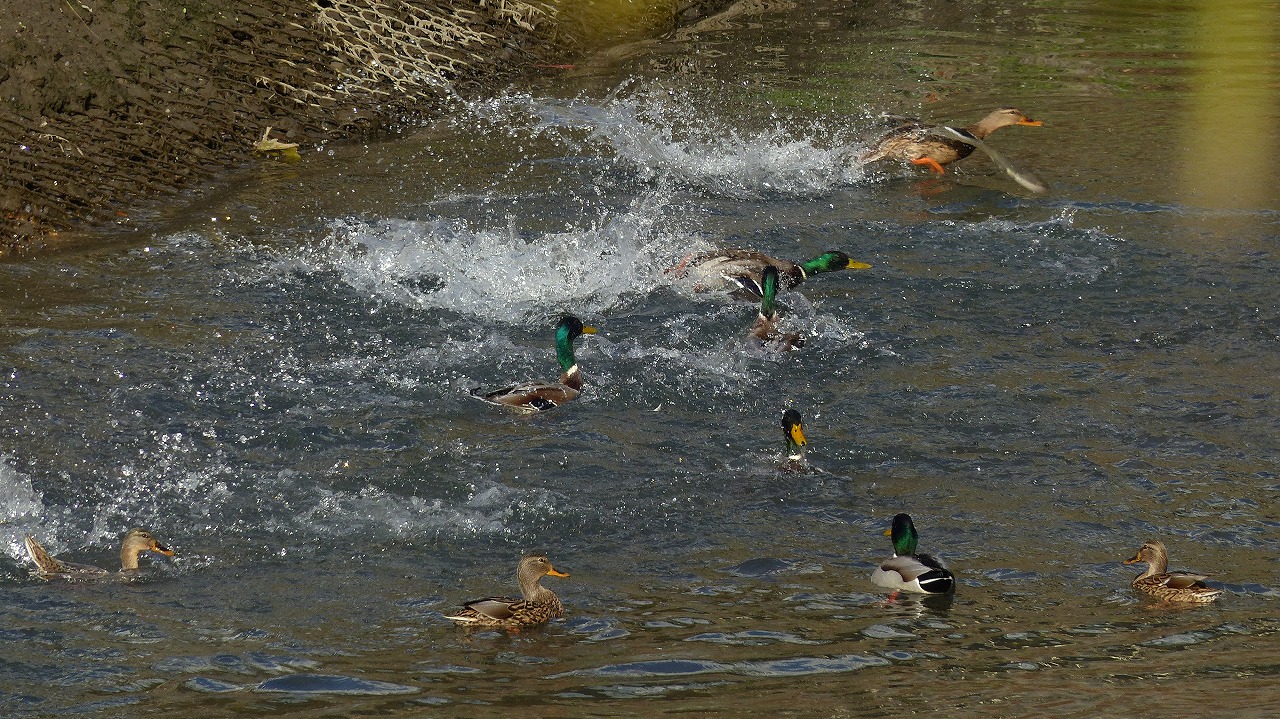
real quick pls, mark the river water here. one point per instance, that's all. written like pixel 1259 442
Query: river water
pixel 276 383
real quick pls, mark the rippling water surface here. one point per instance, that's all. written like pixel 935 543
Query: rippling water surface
pixel 277 384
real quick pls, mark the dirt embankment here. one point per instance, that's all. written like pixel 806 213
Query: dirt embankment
pixel 108 105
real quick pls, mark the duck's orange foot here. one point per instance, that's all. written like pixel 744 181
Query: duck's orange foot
pixel 930 163
pixel 678 270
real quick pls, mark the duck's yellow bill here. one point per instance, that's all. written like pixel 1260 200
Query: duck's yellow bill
pixel 797 435
pixel 557 573
pixel 1133 560
pixel 1031 123
pixel 855 265
pixel 588 330
pixel 888 532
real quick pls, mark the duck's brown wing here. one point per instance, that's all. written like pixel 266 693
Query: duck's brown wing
pixel 504 611
pixel 45 563
pixel 738 269
pixel 765 335
pixel 1183 580
pixel 1021 176
pixel 48 565
pixel 496 608
pixel 532 397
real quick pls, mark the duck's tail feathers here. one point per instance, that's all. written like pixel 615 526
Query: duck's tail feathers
pixel 937 581
pixel 45 562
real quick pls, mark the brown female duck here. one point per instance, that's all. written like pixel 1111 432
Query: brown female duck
pixel 537 604
pixel 921 144
pixel 135 542
pixel 1159 583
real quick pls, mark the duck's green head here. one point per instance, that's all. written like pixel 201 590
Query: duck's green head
pixel 794 429
pixel 832 261
pixel 903 533
pixel 569 329
pixel 769 291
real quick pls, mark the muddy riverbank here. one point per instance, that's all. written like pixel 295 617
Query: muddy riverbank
pixel 107 107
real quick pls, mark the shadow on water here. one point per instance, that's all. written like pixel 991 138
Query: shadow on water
pixel 280 391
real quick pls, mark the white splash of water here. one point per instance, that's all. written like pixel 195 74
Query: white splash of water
pixel 371 510
pixel 506 275
pixel 672 137
pixel 21 508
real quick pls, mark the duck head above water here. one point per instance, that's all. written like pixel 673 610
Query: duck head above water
pixel 1002 117
pixel 832 261
pixel 793 428
pixel 136 542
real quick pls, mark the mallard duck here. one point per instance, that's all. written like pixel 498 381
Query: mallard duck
pixel 537 605
pixel 744 269
pixel 541 396
pixel 793 428
pixel 1158 582
pixel 764 333
pixel 134 543
pixel 921 144
pixel 908 571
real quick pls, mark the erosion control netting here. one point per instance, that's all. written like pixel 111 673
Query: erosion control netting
pixel 103 106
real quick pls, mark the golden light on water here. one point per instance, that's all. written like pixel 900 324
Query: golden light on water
pixel 1230 135
pixel 602 22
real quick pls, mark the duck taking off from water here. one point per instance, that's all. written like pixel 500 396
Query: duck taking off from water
pixel 537 604
pixel 743 270
pixel 908 571
pixel 1159 583
pixel 541 396
pixel 764 333
pixel 134 543
pixel 934 146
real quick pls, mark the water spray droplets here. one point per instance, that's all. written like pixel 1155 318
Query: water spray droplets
pixel 506 274
pixel 671 138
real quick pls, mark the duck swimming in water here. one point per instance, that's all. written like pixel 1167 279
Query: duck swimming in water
pixel 541 396
pixel 537 604
pixel 764 332
pixel 743 270
pixel 134 543
pixel 1159 583
pixel 793 428
pixel 908 571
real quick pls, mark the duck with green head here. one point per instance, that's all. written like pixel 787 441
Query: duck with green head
pixel 743 270
pixel 135 542
pixel 907 570
pixel 541 396
pixel 764 332
pixel 793 428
